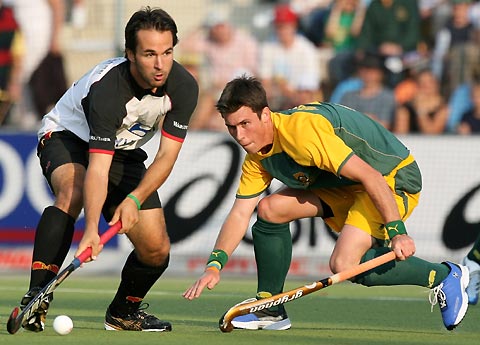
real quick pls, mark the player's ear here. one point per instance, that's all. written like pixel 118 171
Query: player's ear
pixel 130 55
pixel 265 114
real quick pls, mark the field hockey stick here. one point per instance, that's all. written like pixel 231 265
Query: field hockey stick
pixel 18 317
pixel 225 323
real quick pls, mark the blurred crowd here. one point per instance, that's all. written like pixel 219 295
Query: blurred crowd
pixel 413 65
pixel 32 77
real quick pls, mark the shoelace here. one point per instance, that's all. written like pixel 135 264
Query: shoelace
pixel 140 312
pixel 437 296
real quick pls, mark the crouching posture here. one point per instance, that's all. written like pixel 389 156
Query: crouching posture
pixel 337 164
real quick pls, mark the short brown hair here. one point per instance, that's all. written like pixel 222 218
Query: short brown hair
pixel 242 91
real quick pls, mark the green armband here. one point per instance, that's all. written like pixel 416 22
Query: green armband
pixel 397 227
pixel 217 257
pixel 134 198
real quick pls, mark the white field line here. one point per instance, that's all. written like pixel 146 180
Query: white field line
pixel 213 294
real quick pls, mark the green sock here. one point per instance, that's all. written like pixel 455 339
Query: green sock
pixel 273 253
pixel 412 271
pixel 474 253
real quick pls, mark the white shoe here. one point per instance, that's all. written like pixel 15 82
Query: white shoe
pixel 263 319
pixel 474 285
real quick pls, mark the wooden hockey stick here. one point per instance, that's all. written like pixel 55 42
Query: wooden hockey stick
pixel 225 323
pixel 19 316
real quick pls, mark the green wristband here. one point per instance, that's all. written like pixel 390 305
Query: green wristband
pixel 134 198
pixel 218 256
pixel 397 227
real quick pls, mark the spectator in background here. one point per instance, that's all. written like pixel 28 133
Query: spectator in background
pixel 227 52
pixel 344 24
pixel 470 122
pixel 427 112
pixel 475 14
pixel 373 98
pixel 433 15
pixel 40 22
pixel 405 90
pixel 392 29
pixel 460 101
pixel 11 51
pixel 456 48
pixel 289 64
pixel 312 18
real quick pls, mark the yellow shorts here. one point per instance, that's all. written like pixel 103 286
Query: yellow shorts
pixel 352 205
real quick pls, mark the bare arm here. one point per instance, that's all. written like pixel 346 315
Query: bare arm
pixel 232 232
pixel 435 124
pixel 383 199
pixel 157 173
pixel 94 195
pixel 401 122
pixel 58 17
pixel 358 20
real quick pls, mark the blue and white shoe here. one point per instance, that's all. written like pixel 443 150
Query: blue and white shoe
pixel 474 284
pixel 451 295
pixel 264 319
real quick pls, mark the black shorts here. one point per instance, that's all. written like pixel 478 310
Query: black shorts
pixel 126 171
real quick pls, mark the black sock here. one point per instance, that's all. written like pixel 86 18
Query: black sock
pixel 53 239
pixel 137 279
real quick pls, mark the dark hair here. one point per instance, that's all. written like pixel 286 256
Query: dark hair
pixel 242 91
pixel 145 19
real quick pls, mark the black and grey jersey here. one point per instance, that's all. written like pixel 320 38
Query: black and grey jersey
pixel 110 111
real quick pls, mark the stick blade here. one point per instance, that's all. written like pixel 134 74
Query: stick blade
pixel 225 325
pixel 14 322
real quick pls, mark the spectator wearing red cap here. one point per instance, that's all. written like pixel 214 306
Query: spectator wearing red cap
pixel 226 52
pixel 289 64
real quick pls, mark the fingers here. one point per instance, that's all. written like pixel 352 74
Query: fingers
pixel 398 252
pixel 95 251
pixel 115 218
pixel 403 247
pixel 196 289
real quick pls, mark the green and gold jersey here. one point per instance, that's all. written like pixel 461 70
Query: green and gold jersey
pixel 311 144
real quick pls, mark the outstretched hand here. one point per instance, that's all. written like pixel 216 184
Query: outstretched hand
pixel 209 279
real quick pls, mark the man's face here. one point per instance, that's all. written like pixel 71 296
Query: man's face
pixel 152 60
pixel 251 132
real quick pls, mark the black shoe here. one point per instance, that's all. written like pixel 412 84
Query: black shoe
pixel 36 323
pixel 137 321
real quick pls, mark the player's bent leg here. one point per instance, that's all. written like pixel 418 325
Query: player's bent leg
pixel 144 266
pixel 351 246
pixel 474 284
pixel 451 295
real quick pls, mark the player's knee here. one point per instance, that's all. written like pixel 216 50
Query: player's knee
pixel 267 210
pixel 339 264
pixel 70 200
pixel 155 257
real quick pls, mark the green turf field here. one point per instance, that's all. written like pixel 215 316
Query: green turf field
pixel 341 314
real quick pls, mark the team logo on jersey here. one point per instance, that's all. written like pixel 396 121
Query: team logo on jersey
pixel 140 129
pixel 303 178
